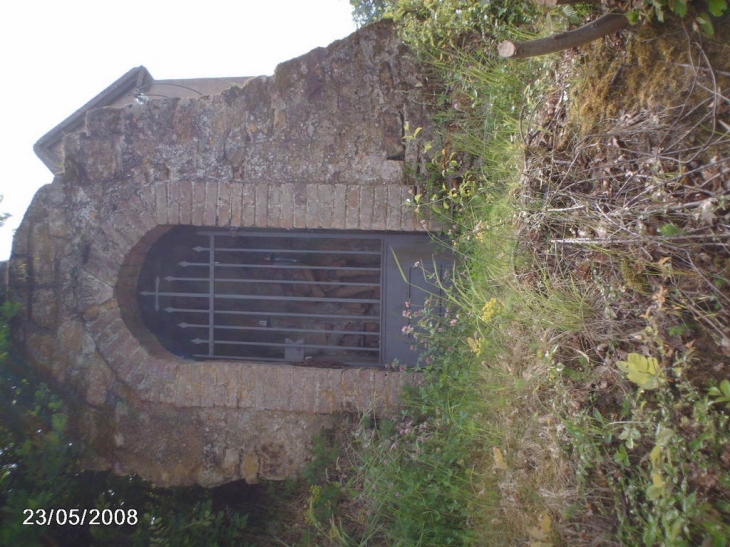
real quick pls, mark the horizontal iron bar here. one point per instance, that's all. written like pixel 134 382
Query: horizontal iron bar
pixel 252 358
pixel 256 297
pixel 295 235
pixel 200 248
pixel 279 329
pixel 278 281
pixel 186 264
pixel 278 345
pixel 368 318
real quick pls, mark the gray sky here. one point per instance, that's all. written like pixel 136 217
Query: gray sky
pixel 57 54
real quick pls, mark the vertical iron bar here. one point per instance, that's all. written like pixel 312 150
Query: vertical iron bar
pixel 211 295
pixel 381 326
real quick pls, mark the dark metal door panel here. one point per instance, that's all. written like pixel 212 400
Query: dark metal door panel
pixel 316 298
pixel 415 271
pixel 269 296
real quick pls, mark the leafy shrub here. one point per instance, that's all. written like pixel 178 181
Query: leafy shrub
pixel 699 12
pixel 39 469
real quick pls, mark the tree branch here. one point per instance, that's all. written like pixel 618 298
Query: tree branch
pixel 573 38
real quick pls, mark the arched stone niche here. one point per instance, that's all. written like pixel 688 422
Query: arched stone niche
pixel 281 404
pixel 140 361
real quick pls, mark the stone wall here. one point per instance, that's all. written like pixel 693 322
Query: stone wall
pixel 317 145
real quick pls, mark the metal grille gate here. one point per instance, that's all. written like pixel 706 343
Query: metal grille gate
pixel 269 296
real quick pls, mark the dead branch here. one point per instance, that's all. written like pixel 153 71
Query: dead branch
pixel 573 38
pixel 659 240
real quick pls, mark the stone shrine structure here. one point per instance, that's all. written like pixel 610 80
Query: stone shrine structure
pixel 301 177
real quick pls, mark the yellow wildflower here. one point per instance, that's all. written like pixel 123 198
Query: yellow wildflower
pixel 475 344
pixel 490 309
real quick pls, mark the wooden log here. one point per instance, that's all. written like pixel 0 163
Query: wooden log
pixel 573 38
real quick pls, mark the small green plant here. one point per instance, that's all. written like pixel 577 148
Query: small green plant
pixel 682 8
pixel 645 372
pixel 669 229
pixel 665 466
pixel 441 25
pixel 721 393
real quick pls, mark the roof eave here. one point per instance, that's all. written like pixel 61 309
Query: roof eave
pixel 133 79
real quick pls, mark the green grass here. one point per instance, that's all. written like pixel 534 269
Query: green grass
pixel 459 466
pixel 521 427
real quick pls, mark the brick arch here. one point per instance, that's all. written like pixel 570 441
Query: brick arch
pixel 140 361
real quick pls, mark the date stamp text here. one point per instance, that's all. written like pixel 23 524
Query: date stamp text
pixel 80 517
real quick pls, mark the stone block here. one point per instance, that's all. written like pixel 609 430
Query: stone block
pixel 339 210
pixel 395 203
pixel 173 202
pixel 103 258
pixel 160 192
pixel 250 467
pixel 248 205
pixel 130 348
pixel 231 380
pixel 185 190
pixel 261 200
pixel 162 375
pixel 108 335
pixel 312 213
pixel 302 394
pixel 286 201
pixel 129 227
pixel 101 318
pixel 44 308
pixel 393 389
pixel 43 255
pixel 146 195
pixel 367 199
pixel 98 381
pixel 41 350
pixel 247 386
pixel 210 215
pixel 112 347
pixel 92 291
pixel 325 205
pixel 198 203
pixel 352 215
pixel 380 380
pixel 380 206
pixel 410 219
pixel 265 392
pixel 143 383
pixel 328 396
pixel 299 193
pixel 273 219
pixel 143 210
pixel 111 244
pixel 224 204
pixel 357 383
pixel 186 393
pixel 125 365
pixel 236 204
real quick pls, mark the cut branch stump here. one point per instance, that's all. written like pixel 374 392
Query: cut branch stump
pixel 573 38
